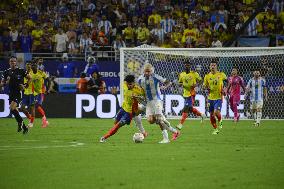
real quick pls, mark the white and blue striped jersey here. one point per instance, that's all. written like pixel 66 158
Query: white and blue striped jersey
pixel 256 87
pixel 167 25
pixel 151 86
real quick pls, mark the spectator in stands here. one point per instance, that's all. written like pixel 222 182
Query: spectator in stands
pixel 25 41
pixel 6 42
pixel 66 69
pixel 118 43
pixel 252 27
pixel 143 34
pixel 36 35
pixel 45 41
pixel 95 84
pixel 81 85
pixel 102 39
pixel 218 24
pixel 14 34
pixel 158 32
pixel 40 64
pixel 215 41
pixel 105 25
pixel 86 43
pixel 167 22
pixel 52 85
pixel 176 36
pixel 61 41
pixel 91 66
pixel 129 34
pixel 72 47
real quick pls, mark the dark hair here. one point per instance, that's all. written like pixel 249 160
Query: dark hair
pixel 83 75
pixel 129 78
pixel 12 57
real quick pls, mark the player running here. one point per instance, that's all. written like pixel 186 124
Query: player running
pixel 214 82
pixel 257 89
pixel 188 79
pixel 38 78
pixel 14 77
pixel 234 91
pixel 124 116
pixel 28 98
pixel 150 83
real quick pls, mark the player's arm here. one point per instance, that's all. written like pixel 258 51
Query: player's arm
pixel 247 89
pixel 243 85
pixel 166 83
pixel 205 83
pixel 265 92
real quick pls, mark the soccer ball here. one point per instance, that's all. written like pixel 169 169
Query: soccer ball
pixel 138 137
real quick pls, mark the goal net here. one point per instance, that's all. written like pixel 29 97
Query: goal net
pixel 169 62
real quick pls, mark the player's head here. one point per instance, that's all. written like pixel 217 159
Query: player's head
pixel 28 65
pixel 213 66
pixel 40 61
pixel 187 66
pixel 148 69
pixel 34 65
pixel 256 73
pixel 91 60
pixel 234 71
pixel 13 62
pixel 96 75
pixel 83 75
pixel 129 79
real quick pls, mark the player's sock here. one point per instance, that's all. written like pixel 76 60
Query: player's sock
pixel 165 134
pixel 196 112
pixel 112 131
pixel 258 117
pixel 219 117
pixel 255 116
pixel 213 121
pixel 17 116
pixel 235 110
pixel 138 123
pixel 41 111
pixel 183 117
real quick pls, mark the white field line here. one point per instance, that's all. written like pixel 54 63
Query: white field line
pixel 68 145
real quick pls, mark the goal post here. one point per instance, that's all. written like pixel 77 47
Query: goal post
pixel 169 62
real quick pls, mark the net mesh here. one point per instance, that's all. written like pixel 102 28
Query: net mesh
pixel 170 62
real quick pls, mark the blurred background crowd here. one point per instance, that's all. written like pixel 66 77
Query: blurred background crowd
pixel 80 26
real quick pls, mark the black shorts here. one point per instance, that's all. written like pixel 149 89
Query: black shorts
pixel 15 96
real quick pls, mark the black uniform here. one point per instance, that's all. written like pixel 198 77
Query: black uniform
pixel 16 78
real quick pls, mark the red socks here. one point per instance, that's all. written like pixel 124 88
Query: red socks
pixel 196 112
pixel 112 131
pixel 218 115
pixel 213 121
pixel 183 117
pixel 41 111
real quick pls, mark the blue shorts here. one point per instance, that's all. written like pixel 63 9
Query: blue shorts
pixel 215 105
pixel 39 99
pixel 28 100
pixel 189 101
pixel 123 117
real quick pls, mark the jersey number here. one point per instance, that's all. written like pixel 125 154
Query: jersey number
pixel 215 82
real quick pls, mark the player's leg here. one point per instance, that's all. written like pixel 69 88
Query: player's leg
pixel 15 99
pixel 185 111
pixel 217 112
pixel 253 112
pixel 212 116
pixel 258 112
pixel 138 122
pixel 38 106
pixel 28 101
pixel 121 119
pixel 195 111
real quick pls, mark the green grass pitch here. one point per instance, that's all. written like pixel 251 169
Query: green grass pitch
pixel 68 155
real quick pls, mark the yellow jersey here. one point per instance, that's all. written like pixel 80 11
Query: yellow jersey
pixel 38 81
pixel 129 103
pixel 128 33
pixel 188 81
pixel 215 82
pixel 29 90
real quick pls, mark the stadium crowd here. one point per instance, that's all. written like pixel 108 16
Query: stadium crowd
pixel 79 26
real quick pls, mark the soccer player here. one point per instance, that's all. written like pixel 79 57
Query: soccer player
pixel 124 116
pixel 38 78
pixel 150 82
pixel 14 77
pixel 214 82
pixel 28 98
pixel 188 79
pixel 234 90
pixel 257 87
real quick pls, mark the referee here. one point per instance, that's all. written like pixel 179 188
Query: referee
pixel 14 78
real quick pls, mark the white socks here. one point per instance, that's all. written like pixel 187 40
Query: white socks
pixel 165 134
pixel 258 117
pixel 138 123
pixel 168 125
pixel 254 116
